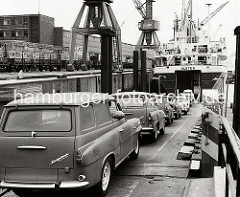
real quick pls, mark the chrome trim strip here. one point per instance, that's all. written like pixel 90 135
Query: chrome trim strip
pixel 32 147
pixel 63 185
pixel 27 185
pixel 146 129
pixel 73 184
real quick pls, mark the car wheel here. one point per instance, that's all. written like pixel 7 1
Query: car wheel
pixel 168 121
pixel 134 154
pixel 162 130
pixel 23 192
pixel 185 112
pixel 103 185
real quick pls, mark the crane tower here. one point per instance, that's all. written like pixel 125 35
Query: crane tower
pixel 148 25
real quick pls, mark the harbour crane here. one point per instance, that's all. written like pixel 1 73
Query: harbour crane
pixel 148 26
pixel 211 15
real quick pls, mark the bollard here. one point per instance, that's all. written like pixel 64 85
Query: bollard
pixel 236 105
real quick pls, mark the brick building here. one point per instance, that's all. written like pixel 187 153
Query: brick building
pixel 34 28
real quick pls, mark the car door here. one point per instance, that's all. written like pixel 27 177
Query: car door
pixel 125 130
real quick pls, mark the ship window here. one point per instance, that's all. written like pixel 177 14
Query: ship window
pixel 1 34
pixel 202 60
pixel 184 58
pixel 177 60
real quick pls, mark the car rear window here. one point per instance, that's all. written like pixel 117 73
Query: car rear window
pixel 38 120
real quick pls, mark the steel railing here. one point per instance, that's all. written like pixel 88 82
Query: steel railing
pixel 229 157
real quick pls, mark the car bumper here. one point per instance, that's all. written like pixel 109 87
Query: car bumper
pixel 146 131
pixel 61 185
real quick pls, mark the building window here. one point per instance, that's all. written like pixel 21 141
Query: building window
pixel 1 21
pixel 6 33
pixel 25 21
pixel 7 22
pixel 1 34
pixel 25 33
pixel 13 21
pixel 19 21
pixel 19 33
pixel 13 33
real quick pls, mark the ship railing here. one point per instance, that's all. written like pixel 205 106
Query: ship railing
pixel 229 159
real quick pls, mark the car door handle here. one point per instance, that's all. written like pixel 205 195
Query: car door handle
pixel 32 147
pixel 121 130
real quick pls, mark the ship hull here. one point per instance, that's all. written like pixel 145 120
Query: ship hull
pixel 174 79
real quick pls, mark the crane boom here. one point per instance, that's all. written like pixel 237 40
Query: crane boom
pixel 185 16
pixel 139 6
pixel 210 16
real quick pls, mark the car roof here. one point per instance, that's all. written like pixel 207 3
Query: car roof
pixel 75 98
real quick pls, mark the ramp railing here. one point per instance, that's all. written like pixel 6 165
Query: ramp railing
pixel 229 158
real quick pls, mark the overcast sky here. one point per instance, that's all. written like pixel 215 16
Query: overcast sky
pixel 65 12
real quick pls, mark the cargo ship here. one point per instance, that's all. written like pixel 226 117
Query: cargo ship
pixel 191 60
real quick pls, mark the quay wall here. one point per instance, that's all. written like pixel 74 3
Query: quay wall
pixel 63 83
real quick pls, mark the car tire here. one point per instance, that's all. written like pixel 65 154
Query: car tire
pixel 134 154
pixel 185 112
pixel 23 192
pixel 162 130
pixel 168 121
pixel 103 185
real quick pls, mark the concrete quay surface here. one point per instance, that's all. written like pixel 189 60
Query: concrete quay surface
pixel 156 172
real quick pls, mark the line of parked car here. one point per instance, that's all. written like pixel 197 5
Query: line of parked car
pixel 155 111
pixel 75 140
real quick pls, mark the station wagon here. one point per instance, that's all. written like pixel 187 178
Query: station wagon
pixel 64 143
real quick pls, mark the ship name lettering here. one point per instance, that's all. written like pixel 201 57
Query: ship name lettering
pixel 188 68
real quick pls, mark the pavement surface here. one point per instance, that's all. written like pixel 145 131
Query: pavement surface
pixel 156 172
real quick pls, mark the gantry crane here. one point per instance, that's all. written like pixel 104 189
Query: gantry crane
pixel 211 15
pixel 148 26
pixel 99 19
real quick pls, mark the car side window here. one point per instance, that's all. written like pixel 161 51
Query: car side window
pixel 87 119
pixel 102 113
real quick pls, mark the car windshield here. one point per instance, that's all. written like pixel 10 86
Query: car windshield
pixel 38 120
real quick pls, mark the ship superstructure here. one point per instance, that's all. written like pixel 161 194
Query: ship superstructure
pixel 191 60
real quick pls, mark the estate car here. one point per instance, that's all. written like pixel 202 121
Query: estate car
pixel 64 141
